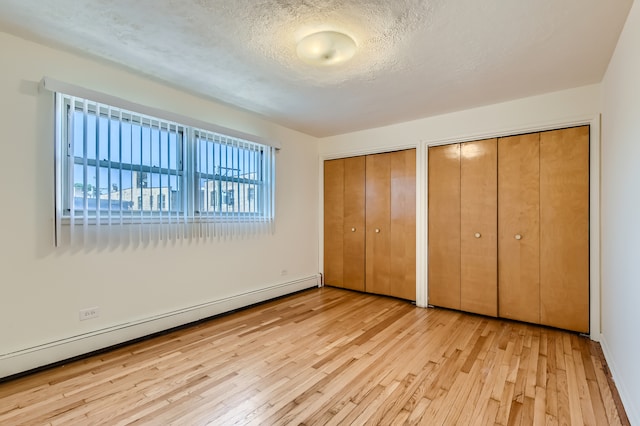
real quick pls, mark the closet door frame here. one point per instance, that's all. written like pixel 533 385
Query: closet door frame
pixel 422 197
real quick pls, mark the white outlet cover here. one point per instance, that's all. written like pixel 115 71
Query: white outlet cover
pixel 89 313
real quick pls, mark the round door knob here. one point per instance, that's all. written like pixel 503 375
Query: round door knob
pixel 518 237
pixel 477 235
pixel 377 230
pixel 353 229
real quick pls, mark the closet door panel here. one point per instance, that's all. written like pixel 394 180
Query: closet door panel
pixel 378 213
pixel 354 226
pixel 519 227
pixel 564 225
pixel 403 224
pixel 444 226
pixel 478 227
pixel 333 222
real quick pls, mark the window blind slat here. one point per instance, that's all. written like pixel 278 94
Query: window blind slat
pixel 96 188
pixel 120 152
pixel 207 168
pixel 69 203
pixel 140 182
pixel 85 178
pixel 256 194
pixel 109 183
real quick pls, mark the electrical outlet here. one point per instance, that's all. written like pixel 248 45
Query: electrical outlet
pixel 89 313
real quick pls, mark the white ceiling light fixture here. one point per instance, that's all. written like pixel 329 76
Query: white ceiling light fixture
pixel 326 48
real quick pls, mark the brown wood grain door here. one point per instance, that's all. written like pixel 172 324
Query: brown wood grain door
pixel 564 225
pixel 478 227
pixel 403 224
pixel 519 227
pixel 444 226
pixel 378 215
pixel 354 223
pixel 334 222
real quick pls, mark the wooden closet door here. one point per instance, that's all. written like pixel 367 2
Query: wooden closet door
pixel 564 225
pixel 519 227
pixel 334 222
pixel 378 213
pixel 354 226
pixel 444 226
pixel 403 224
pixel 478 227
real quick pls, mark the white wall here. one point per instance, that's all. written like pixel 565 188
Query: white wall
pixel 621 214
pixel 528 114
pixel 42 288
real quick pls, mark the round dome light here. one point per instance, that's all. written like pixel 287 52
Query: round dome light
pixel 326 48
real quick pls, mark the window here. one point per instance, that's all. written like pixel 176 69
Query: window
pixel 115 158
pixel 119 167
pixel 227 170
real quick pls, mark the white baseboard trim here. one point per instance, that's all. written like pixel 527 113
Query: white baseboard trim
pixel 56 351
pixel 627 401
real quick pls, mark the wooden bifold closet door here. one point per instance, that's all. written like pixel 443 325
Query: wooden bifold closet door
pixel 544 228
pixel 462 227
pixel 564 228
pixel 378 224
pixel 478 227
pixel 369 223
pixel 403 224
pixel 344 233
pixel 509 227
pixel 519 227
pixel 444 226
pixel 391 224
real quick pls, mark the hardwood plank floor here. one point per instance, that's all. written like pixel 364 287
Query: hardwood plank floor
pixel 330 356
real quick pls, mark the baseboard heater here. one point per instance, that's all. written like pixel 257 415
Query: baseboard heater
pixel 49 353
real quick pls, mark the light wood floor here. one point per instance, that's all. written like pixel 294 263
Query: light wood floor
pixel 329 356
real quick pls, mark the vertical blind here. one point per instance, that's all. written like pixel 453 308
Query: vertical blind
pixel 233 177
pixel 127 176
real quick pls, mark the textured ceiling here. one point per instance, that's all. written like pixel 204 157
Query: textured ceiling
pixel 415 58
